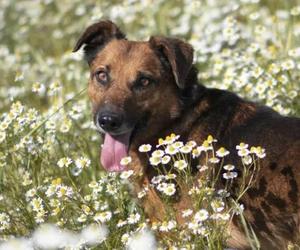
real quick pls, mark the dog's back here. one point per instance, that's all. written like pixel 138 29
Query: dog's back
pixel 272 203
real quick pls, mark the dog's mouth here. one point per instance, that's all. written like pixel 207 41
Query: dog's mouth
pixel 115 148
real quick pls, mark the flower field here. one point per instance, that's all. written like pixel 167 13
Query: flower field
pixel 53 191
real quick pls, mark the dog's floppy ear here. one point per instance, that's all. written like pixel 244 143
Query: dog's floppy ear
pixel 178 53
pixel 97 35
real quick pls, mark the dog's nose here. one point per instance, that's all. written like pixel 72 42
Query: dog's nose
pixel 110 122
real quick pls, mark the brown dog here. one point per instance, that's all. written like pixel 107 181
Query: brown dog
pixel 142 91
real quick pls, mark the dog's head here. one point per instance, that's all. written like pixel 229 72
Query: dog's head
pixel 135 87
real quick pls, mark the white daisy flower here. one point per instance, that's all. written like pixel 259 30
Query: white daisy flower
pixel 157 153
pixel 221 152
pixel 191 144
pixel 93 184
pixel 288 64
pixel 103 216
pixel 38 87
pixel 161 186
pixel 217 205
pixel 164 226
pixel 242 145
pixel 64 162
pixel 229 167
pixel 230 175
pixel 145 148
pixel 133 218
pixel 214 160
pixel 171 150
pixel 121 223
pixel 4 221
pixel 243 152
pixel 210 139
pixel 154 161
pixel 125 238
pixel 177 144
pixel 169 189
pixel 203 231
pixel 168 140
pixel 51 190
pixel 170 176
pixel 82 218
pixel 194 190
pixel 274 68
pixel 63 191
pixel 180 164
pixel 172 224
pixel 196 152
pixel 165 159
pixel 37 204
pixel 258 151
pixel 186 149
pixel 125 161
pixel 201 215
pixel 247 160
pixel 261 154
pixel 187 213
pixel 206 146
pixel 157 179
pixel 126 174
pixel 167 226
pixel 225 216
pixel 30 193
pixel 82 162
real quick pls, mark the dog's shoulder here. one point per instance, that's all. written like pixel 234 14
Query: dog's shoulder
pixel 222 110
pixel 229 115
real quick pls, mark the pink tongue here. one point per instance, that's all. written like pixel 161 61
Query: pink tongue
pixel 114 149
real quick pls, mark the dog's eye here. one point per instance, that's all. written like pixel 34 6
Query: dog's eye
pixel 101 76
pixel 142 83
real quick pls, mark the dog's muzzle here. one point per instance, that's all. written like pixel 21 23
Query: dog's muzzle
pixel 109 122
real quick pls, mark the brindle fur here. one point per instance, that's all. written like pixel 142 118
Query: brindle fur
pixel 178 103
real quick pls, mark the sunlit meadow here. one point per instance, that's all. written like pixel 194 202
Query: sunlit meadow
pixel 53 192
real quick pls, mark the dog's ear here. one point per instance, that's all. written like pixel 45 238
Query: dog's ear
pixel 179 55
pixel 97 35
